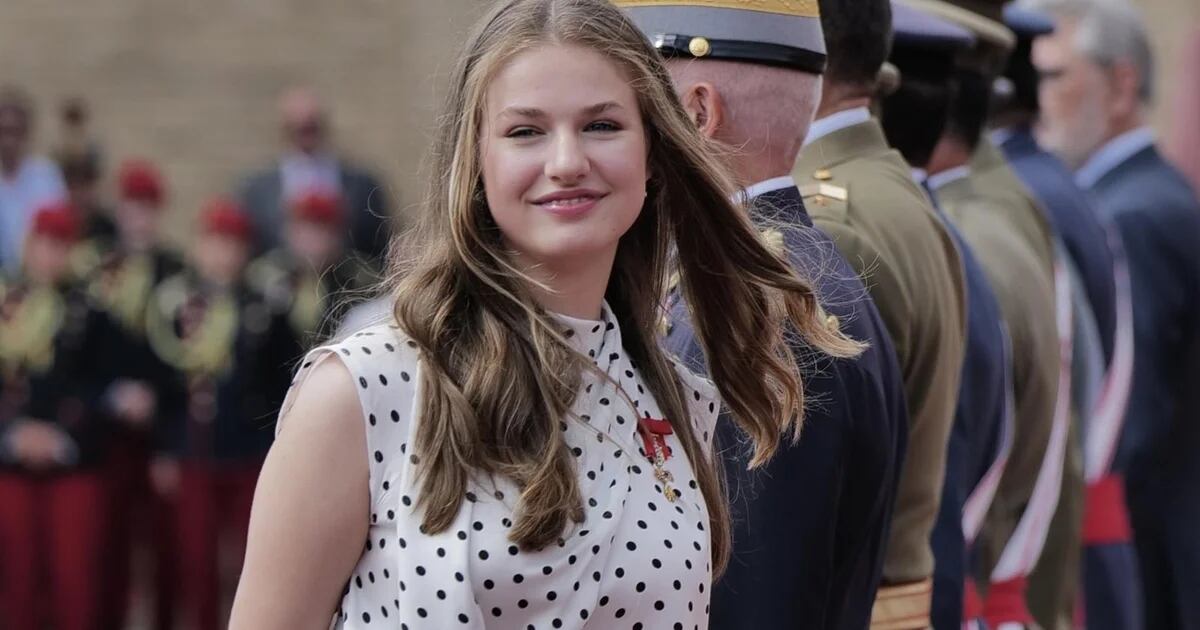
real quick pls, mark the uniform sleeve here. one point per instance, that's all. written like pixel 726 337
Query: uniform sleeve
pixel 925 323
pixel 1026 299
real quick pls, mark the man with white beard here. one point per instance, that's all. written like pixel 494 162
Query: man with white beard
pixel 1097 86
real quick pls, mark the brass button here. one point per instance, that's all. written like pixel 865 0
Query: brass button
pixel 832 323
pixel 699 47
pixel 823 175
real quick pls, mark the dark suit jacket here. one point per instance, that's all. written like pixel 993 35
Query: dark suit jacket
pixel 1076 222
pixel 1159 219
pixel 369 220
pixel 811 526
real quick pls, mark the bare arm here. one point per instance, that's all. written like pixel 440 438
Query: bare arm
pixel 310 515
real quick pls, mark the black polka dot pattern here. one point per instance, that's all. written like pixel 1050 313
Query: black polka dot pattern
pixel 638 560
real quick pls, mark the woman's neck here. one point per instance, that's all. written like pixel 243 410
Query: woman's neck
pixel 574 289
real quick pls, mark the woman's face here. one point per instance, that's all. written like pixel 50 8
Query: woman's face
pixel 563 155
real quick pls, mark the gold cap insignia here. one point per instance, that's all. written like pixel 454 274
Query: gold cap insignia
pixel 699 47
pixel 823 175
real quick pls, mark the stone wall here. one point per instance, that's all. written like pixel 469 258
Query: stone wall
pixel 192 84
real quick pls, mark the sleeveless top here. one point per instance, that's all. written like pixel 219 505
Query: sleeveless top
pixel 637 560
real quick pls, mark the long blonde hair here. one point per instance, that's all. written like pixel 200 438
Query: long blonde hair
pixel 499 376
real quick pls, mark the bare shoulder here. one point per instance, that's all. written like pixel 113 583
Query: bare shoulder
pixel 312 494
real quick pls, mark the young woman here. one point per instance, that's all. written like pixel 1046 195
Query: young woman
pixel 514 450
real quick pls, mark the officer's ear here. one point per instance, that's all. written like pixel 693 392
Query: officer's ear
pixel 1125 82
pixel 705 107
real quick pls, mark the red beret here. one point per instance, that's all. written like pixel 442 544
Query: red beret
pixel 56 220
pixel 140 181
pixel 224 217
pixel 318 207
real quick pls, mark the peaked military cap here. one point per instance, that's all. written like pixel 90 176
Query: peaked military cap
pixel 1027 23
pixel 984 18
pixel 915 28
pixel 785 33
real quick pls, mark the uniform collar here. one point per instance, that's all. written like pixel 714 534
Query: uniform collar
pixel 941 180
pixel 920 176
pixel 764 187
pixel 1113 154
pixel 836 122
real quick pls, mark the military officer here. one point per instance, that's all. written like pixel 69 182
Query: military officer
pixel 232 351
pixel 54 354
pixel 910 265
pixel 1029 295
pixel 810 527
pixel 977 450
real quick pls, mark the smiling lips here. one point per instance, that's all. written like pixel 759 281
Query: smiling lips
pixel 569 203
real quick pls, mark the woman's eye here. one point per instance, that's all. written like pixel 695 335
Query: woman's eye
pixel 602 125
pixel 521 132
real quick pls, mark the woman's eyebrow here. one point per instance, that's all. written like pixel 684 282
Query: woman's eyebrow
pixel 533 112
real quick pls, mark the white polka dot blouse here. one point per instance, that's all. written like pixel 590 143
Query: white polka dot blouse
pixel 638 561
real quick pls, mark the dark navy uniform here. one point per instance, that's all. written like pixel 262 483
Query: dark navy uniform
pixel 55 351
pixel 976 452
pixel 810 527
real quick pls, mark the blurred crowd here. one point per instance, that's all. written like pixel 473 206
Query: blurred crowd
pixel 138 384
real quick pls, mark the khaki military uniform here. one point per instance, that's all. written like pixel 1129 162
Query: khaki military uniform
pixel 1054 580
pixel 862 194
pixel 994 181
pixel 1027 300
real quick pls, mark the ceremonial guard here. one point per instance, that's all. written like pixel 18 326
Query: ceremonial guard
pixel 54 348
pixel 810 527
pixel 1029 295
pixel 312 273
pixel 891 236
pixel 232 350
pixel 120 272
pixel 913 117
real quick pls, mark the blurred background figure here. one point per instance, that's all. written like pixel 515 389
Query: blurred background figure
pixel 75 132
pixel 310 274
pixel 122 271
pixel 1096 94
pixel 232 352
pixel 82 176
pixel 309 164
pixel 53 352
pixel 27 181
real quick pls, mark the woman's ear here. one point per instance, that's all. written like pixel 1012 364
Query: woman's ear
pixel 704 106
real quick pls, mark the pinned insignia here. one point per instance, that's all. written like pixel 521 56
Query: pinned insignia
pixel 823 175
pixel 823 194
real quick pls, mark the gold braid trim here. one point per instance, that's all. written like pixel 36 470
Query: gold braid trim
pixel 27 332
pixel 209 349
pixel 123 291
